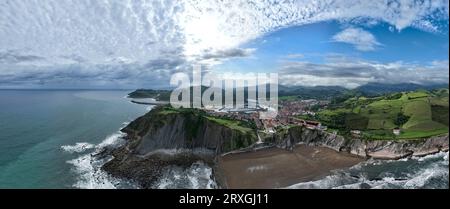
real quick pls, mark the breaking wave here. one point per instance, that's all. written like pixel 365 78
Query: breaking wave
pixel 412 173
pixel 89 174
pixel 78 147
pixel 87 167
pixel 197 176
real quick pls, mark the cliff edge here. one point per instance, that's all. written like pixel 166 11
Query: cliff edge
pixel 166 136
pixel 379 149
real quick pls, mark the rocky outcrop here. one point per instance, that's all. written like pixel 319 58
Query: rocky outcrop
pixel 146 170
pixel 380 149
pixel 165 137
pixel 183 130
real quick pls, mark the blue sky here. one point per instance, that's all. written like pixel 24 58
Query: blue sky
pixel 140 44
pixel 311 42
pixel 316 43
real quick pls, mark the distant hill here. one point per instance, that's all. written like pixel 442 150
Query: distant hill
pixel 160 95
pixel 307 92
pixel 315 92
pixel 164 95
pixel 284 92
pixel 370 90
pixel 382 88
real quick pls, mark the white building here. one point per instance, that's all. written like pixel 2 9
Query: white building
pixel 396 131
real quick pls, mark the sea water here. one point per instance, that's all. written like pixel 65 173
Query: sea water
pixel 49 138
pixel 46 137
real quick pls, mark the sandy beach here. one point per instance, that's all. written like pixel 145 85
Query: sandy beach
pixel 278 168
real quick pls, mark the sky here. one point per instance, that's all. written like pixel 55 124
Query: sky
pixel 112 44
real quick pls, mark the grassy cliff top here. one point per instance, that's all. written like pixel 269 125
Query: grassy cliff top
pixel 241 126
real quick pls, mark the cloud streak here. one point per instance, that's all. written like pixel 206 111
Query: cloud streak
pixel 10 57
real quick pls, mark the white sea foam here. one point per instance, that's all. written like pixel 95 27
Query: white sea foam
pixel 327 182
pixel 113 140
pixel 425 175
pixel 201 176
pixel 88 167
pixel 78 147
pixel 443 155
pixel 422 172
pixel 90 176
pixel 197 176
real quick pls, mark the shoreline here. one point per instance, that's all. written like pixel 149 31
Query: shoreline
pixel 278 168
pixel 293 155
pixel 271 166
pixel 234 166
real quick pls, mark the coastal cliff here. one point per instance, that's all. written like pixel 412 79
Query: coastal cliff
pixel 166 137
pixel 379 149
pixel 164 129
pixel 179 137
pixel 185 129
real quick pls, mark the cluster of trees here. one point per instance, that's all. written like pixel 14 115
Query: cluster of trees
pixel 401 119
pixel 345 121
pixel 393 96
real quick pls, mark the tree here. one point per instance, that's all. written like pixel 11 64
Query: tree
pixel 337 121
pixel 315 108
pixel 401 119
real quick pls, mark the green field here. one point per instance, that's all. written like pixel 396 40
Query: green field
pixel 233 124
pixel 419 114
pixel 241 126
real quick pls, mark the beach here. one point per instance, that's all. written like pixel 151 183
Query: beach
pixel 279 168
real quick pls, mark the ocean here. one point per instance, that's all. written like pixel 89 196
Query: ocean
pixel 49 138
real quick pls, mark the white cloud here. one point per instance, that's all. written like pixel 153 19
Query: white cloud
pixel 361 39
pixel 351 73
pixel 112 32
pixel 295 56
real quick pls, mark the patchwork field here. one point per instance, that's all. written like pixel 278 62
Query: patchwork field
pixel 418 114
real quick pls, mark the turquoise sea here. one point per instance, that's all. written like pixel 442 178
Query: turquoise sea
pixel 42 131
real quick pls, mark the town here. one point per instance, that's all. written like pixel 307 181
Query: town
pixel 289 113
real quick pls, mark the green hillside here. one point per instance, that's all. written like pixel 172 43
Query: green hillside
pixel 419 114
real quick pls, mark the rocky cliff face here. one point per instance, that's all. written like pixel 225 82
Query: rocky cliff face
pixel 381 149
pixel 186 130
pixel 191 130
pixel 152 136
